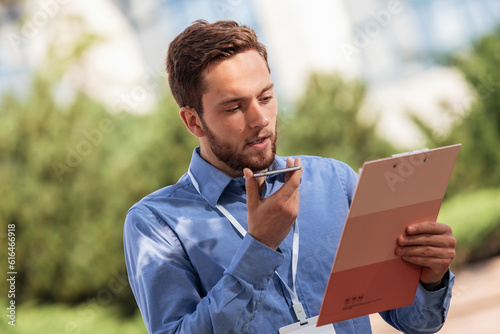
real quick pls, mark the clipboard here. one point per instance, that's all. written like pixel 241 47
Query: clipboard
pixel 367 277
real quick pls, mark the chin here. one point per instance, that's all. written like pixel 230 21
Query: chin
pixel 261 163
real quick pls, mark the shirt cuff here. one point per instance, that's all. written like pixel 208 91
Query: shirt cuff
pixel 439 297
pixel 255 263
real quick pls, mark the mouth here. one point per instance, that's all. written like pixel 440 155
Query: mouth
pixel 261 143
pixel 258 141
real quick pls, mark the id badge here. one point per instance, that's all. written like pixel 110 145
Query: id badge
pixel 309 328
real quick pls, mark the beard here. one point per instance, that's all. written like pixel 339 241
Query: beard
pixel 236 159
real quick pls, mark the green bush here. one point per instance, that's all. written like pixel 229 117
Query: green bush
pixel 327 122
pixel 476 118
pixel 68 176
pixel 475 220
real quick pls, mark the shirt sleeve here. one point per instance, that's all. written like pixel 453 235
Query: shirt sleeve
pixel 167 288
pixel 348 178
pixel 427 313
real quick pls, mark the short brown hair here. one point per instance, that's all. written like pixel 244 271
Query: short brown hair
pixel 198 46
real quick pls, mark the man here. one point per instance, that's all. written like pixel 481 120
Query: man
pixel 221 251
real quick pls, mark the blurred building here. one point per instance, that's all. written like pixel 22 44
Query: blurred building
pixel 397 45
pixel 392 45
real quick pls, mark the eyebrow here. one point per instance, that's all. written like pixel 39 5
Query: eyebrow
pixel 237 99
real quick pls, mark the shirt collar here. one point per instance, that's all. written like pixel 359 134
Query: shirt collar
pixel 212 181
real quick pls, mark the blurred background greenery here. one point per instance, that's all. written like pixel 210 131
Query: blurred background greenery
pixel 70 171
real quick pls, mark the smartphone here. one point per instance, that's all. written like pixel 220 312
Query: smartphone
pixel 277 171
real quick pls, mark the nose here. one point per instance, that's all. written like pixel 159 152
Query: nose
pixel 257 116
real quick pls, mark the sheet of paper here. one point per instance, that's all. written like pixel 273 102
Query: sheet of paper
pixel 391 193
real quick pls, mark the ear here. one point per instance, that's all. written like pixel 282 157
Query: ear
pixel 192 121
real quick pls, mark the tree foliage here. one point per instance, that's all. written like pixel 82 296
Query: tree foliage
pixel 327 122
pixel 477 118
pixel 68 176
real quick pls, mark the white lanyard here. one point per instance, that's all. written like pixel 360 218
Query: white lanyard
pixel 296 304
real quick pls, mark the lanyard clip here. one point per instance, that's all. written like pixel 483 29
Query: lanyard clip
pixel 300 313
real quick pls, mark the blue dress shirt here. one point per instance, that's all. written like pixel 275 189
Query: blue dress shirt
pixel 191 272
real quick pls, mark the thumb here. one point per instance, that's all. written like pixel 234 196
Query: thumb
pixel 252 188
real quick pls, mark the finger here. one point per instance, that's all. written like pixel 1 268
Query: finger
pixel 289 163
pixel 252 189
pixel 292 179
pixel 436 264
pixel 434 240
pixel 429 227
pixel 294 163
pixel 426 252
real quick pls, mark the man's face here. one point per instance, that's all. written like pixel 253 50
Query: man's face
pixel 239 114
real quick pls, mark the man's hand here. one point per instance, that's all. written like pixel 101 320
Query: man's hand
pixel 270 219
pixel 430 245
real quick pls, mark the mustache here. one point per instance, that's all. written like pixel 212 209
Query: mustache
pixel 267 134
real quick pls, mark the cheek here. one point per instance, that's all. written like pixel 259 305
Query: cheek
pixel 231 128
pixel 273 114
pixel 273 109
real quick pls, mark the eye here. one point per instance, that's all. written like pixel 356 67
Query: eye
pixel 231 110
pixel 266 99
